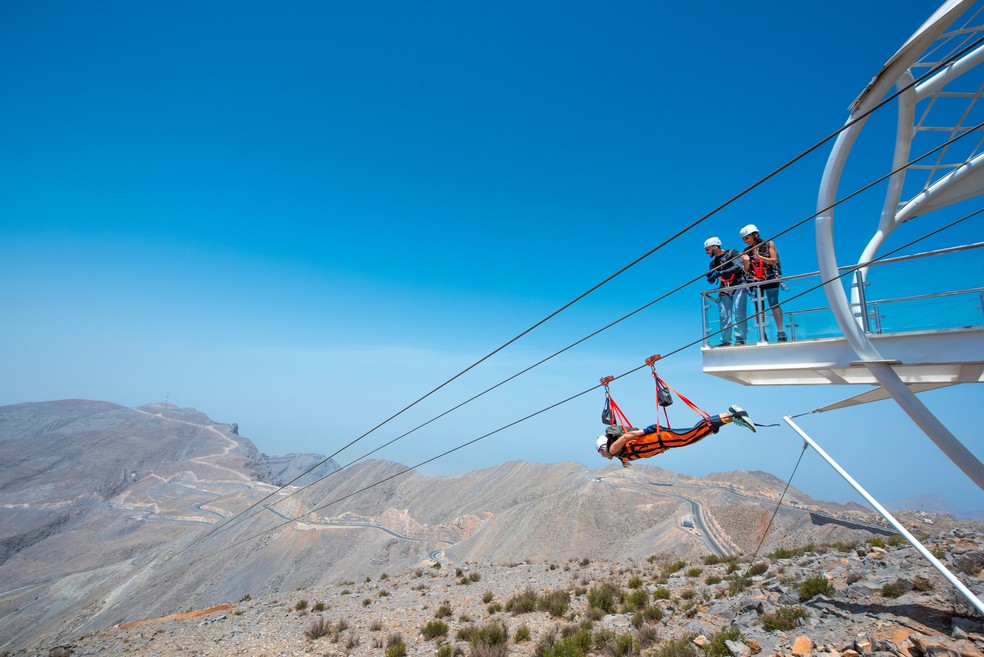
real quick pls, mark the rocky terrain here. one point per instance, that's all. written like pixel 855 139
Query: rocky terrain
pixel 111 516
pixel 841 600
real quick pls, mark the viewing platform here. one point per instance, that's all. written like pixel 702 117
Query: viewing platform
pixel 931 339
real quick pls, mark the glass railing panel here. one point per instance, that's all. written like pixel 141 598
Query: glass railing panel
pixel 902 295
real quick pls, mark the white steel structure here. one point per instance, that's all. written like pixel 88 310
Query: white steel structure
pixel 939 80
pixel 944 46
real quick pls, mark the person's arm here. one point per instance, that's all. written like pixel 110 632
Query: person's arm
pixel 617 446
pixel 773 256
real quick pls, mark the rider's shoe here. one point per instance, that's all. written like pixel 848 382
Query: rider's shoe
pixel 740 417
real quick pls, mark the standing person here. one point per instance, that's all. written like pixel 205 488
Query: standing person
pixel 727 269
pixel 761 263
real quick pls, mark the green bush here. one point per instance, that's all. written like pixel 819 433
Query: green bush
pixel 395 647
pixel 637 600
pixel 682 647
pixel 522 634
pixel 712 580
pixel 784 618
pixel 444 611
pixel 757 569
pixel 319 606
pixel 695 571
pixel 555 603
pixel 717 646
pixel 894 589
pixel 814 586
pixel 575 644
pixel 922 584
pixel 524 603
pixel 444 650
pixel 661 594
pixel 604 597
pixel 301 605
pixel 434 629
pixel 615 645
pixel 635 583
pixel 490 634
pixel 674 567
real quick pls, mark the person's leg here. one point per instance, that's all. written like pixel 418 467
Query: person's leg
pixel 740 310
pixel 726 315
pixel 773 296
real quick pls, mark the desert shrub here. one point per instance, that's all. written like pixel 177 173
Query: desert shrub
pixel 434 629
pixel 604 597
pixel 896 540
pixel 487 597
pixel 717 646
pixel 653 614
pixel 319 606
pixel 574 644
pixel 711 560
pixel 444 611
pixel 814 586
pixel 352 642
pixel 375 626
pixel 661 594
pixel 444 650
pixel 784 618
pixel 712 580
pixel 555 603
pixel 301 605
pixel 674 567
pixel 318 628
pixel 494 608
pixel 688 594
pixel 922 584
pixel 682 647
pixel 524 603
pixel 736 584
pixel 637 600
pixel 695 571
pixel 648 636
pixel 490 640
pixel 635 583
pixel 522 634
pixel 876 541
pixel 894 589
pixel 395 647
pixel 757 569
pixel 615 645
pixel 366 602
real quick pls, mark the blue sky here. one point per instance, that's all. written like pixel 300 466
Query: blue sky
pixel 302 217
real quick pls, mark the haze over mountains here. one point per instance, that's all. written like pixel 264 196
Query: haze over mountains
pixel 111 514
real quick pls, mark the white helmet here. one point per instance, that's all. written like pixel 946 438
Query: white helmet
pixel 601 442
pixel 748 230
pixel 711 241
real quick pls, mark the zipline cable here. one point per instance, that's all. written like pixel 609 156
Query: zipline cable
pixel 861 117
pixel 680 287
pixel 299 518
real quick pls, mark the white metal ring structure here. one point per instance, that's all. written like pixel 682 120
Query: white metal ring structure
pixel 947 46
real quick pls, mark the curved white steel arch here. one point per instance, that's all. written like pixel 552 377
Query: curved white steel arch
pixel 964 182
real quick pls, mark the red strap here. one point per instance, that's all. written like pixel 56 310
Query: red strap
pixel 686 401
pixel 617 413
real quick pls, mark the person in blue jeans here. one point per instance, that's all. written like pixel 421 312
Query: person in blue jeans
pixel 727 270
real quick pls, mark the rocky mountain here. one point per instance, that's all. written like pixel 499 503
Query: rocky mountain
pixel 111 515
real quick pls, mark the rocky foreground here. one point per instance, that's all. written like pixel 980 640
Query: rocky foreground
pixel 878 598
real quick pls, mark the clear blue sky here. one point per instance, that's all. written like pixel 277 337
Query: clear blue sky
pixel 303 216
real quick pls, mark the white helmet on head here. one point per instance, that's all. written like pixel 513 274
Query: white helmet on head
pixel 748 230
pixel 711 241
pixel 601 442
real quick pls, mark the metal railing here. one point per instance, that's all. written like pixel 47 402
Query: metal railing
pixel 904 308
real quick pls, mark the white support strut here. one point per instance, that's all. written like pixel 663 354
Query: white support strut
pixel 967 593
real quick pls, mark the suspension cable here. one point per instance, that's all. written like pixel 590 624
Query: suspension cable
pixel 861 117
pixel 560 403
